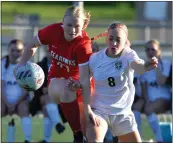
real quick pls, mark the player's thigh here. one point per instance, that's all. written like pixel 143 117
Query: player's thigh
pixel 23 108
pixel 123 126
pixel 3 109
pixel 60 92
pixel 97 133
pixel 55 89
pixel 158 106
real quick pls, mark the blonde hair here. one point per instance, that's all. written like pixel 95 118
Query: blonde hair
pixel 79 12
pixel 119 25
pixel 153 41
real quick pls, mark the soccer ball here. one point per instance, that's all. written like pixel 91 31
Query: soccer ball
pixel 30 76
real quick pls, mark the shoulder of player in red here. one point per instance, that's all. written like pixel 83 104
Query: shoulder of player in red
pixel 55 30
pixel 46 34
pixel 84 39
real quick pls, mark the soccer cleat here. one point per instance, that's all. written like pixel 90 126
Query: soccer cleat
pixel 59 128
pixel 26 141
pixel 79 138
pixel 43 141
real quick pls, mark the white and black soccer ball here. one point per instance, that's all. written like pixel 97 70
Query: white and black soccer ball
pixel 30 76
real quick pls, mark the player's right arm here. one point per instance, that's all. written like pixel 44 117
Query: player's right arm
pixel 30 50
pixel 42 38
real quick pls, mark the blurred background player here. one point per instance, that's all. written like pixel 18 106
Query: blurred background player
pixel 43 102
pixel 67 61
pixel 14 98
pixel 157 94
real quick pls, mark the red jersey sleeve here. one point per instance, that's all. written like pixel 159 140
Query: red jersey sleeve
pixel 45 35
pixel 83 53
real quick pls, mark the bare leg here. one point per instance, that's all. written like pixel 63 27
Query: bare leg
pixel 130 137
pixel 97 133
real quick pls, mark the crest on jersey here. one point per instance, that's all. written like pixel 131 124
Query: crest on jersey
pixel 118 65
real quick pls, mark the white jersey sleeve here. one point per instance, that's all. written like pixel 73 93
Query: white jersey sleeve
pixel 132 56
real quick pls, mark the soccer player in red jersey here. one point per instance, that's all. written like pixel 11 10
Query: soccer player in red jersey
pixel 70 48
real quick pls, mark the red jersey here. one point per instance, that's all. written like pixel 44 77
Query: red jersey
pixel 67 56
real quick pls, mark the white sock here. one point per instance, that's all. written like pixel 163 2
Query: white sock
pixel 154 124
pixel 47 129
pixel 27 127
pixel 53 113
pixel 11 134
pixel 138 120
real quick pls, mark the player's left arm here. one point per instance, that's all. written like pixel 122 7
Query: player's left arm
pixel 139 66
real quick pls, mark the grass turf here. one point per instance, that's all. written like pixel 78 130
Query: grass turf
pixel 37 131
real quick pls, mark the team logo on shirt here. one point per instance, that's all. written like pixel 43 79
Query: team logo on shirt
pixel 118 65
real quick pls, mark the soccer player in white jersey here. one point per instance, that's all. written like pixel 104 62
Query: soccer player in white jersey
pixel 158 95
pixel 14 98
pixel 110 105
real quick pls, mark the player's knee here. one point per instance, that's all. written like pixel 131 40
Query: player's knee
pixel 56 89
pixel 59 91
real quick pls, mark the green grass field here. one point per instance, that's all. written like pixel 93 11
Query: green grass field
pixel 37 133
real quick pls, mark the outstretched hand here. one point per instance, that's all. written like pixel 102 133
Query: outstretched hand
pixel 151 64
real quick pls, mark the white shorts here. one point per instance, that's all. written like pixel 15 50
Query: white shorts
pixel 119 124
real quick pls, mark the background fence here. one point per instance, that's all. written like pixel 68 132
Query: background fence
pixel 138 35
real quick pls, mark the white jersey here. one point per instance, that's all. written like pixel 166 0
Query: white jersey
pixel 156 91
pixel 12 89
pixel 114 89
